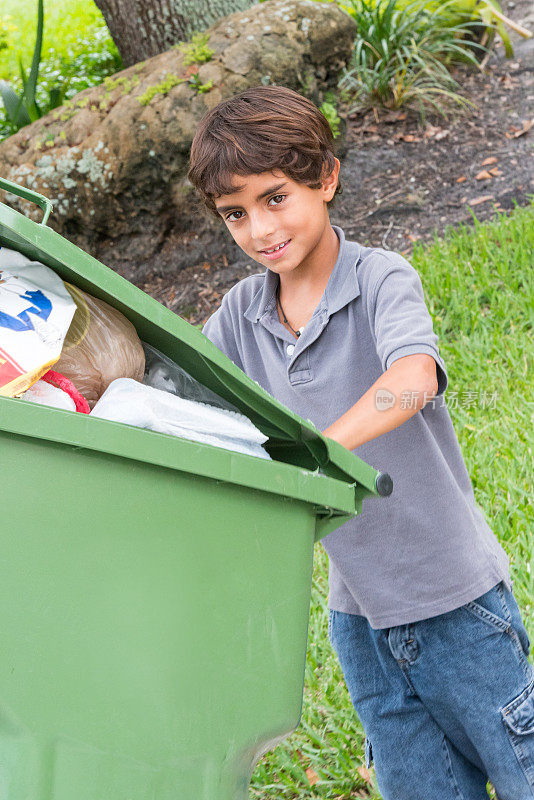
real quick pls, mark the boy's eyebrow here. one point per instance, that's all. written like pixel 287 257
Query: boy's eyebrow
pixel 222 209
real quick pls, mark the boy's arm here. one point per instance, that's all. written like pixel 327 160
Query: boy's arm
pixel 397 395
pixel 407 347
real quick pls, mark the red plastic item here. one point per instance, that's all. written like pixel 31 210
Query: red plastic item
pixel 59 380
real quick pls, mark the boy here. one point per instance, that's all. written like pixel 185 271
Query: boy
pixel 421 610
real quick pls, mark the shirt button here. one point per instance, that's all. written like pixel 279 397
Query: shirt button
pixel 290 349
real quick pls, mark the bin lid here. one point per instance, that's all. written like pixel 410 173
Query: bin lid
pixel 291 439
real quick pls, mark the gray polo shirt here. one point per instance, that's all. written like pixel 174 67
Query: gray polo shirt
pixel 427 548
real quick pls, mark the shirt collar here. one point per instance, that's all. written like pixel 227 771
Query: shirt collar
pixel 342 286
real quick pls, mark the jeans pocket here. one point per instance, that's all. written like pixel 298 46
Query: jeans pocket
pixel 498 608
pixel 518 717
pixel 491 608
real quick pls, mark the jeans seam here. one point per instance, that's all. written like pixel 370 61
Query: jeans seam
pixel 458 793
pixel 521 756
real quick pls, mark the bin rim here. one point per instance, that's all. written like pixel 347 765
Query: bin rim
pixel 291 438
pixel 328 496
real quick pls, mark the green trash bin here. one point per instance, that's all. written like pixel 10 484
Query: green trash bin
pixel 154 591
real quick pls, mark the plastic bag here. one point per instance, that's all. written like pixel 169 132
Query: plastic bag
pixel 35 313
pixel 45 394
pixel 162 373
pixel 145 407
pixel 101 345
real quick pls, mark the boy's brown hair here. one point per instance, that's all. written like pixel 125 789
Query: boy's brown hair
pixel 259 130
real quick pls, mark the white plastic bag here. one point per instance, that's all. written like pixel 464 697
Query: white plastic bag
pixel 35 313
pixel 128 401
pixel 45 394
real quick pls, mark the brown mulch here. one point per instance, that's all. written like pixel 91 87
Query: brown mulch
pixel 404 181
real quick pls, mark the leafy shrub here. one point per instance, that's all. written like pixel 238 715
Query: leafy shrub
pixel 197 50
pixel 329 110
pixel 402 56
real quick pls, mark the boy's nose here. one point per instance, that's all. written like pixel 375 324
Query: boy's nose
pixel 262 230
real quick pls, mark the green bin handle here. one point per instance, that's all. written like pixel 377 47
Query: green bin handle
pixel 27 194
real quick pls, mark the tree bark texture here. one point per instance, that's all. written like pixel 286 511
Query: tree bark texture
pixel 144 28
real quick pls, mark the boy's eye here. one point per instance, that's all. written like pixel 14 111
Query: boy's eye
pixel 232 214
pixel 274 197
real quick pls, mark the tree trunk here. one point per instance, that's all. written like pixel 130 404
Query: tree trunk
pixel 144 28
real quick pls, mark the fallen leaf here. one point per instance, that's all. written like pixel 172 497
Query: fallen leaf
pixel 490 160
pixel 507 82
pixel 409 137
pixel 394 116
pixel 520 131
pixel 496 171
pixel 461 179
pixel 483 175
pixel 482 199
pixel 312 776
pixel 434 131
pixel 412 238
pixel 364 773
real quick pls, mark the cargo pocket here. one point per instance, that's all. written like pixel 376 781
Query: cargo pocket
pixel 518 716
pixel 368 753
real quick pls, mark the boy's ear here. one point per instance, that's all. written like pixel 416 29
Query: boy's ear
pixel 329 184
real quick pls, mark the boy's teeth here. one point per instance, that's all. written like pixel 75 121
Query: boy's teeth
pixel 274 249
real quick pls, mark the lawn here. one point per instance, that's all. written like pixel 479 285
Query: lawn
pixel 77 51
pixel 67 27
pixel 478 286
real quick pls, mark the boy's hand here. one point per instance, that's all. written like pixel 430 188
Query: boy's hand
pixel 400 392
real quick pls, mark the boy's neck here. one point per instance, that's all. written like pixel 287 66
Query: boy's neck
pixel 312 274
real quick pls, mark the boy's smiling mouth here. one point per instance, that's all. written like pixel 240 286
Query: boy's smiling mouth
pixel 276 250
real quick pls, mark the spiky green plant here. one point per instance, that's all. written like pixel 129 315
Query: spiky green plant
pixel 23 109
pixel 402 56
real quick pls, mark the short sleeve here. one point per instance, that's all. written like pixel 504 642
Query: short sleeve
pixel 219 329
pixel 400 318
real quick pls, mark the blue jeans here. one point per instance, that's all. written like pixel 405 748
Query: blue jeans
pixel 446 703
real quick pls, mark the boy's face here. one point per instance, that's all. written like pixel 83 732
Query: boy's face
pixel 268 209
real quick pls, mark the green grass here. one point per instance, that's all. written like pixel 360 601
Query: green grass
pixel 479 289
pixel 77 51
pixel 67 23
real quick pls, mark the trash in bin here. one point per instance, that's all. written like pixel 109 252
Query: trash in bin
pixel 35 313
pixel 57 391
pixel 101 345
pixel 155 601
pixel 162 373
pixel 134 403
pixel 46 394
